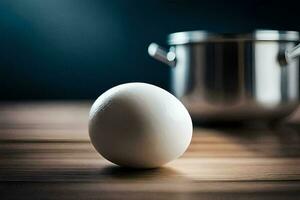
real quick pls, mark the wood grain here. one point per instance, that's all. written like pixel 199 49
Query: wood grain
pixel 45 153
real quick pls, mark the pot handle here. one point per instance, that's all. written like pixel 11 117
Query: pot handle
pixel 159 53
pixel 292 53
pixel 288 55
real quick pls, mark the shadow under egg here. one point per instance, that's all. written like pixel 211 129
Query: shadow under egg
pixel 153 174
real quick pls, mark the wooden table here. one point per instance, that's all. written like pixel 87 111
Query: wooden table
pixel 45 153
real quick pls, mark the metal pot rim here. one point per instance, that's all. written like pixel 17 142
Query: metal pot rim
pixel 258 35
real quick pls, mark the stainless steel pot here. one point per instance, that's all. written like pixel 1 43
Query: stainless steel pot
pixel 233 77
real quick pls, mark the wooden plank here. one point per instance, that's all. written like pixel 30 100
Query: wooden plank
pixel 45 153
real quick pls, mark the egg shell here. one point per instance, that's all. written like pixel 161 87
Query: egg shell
pixel 139 125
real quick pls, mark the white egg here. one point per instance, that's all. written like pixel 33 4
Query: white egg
pixel 139 125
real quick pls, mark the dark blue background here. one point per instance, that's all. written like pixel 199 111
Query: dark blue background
pixel 76 49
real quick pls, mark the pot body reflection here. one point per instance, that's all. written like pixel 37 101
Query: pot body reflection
pixel 237 80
